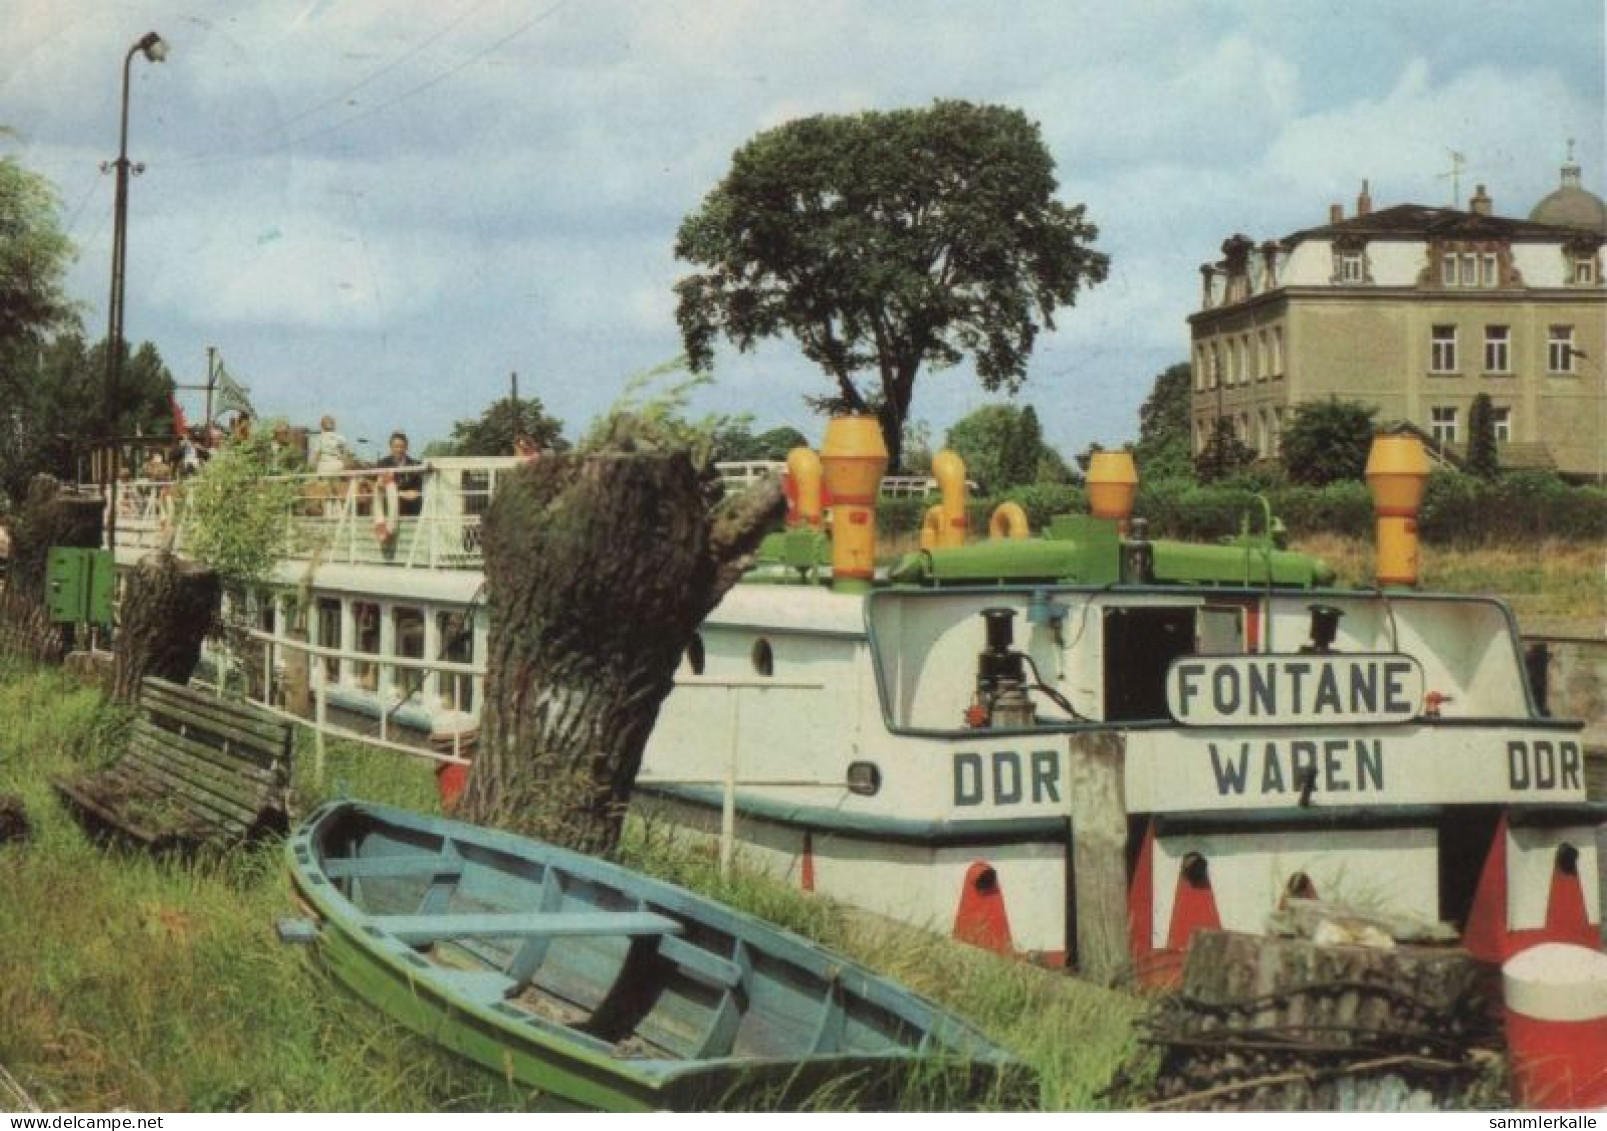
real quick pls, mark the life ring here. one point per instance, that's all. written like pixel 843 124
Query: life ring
pixel 386 508
pixel 1009 520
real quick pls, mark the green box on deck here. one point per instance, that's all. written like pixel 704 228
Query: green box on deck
pixel 78 585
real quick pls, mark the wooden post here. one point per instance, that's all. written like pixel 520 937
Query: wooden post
pixel 1098 854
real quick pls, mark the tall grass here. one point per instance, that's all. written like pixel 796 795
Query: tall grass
pixel 1548 584
pixel 159 983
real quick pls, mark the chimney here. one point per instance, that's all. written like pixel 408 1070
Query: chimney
pixel 1364 202
pixel 1336 213
pixel 1481 202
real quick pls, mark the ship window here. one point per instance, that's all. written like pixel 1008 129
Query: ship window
pixel 764 660
pixel 695 658
pixel 457 646
pixel 409 624
pixel 366 614
pixel 328 634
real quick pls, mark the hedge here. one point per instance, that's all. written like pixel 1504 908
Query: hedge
pixel 1458 510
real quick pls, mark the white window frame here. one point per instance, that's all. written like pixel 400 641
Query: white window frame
pixel 1470 269
pixel 1501 418
pixel 1487 269
pixel 1498 349
pixel 1448 269
pixel 1277 351
pixel 1584 271
pixel 1349 267
pixel 1443 423
pixel 1442 349
pixel 1560 350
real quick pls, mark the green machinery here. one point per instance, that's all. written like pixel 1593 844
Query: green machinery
pixel 78 585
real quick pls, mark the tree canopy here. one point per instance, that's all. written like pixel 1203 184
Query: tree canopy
pixel 1164 450
pixel 1327 441
pixel 885 241
pixel 734 441
pixel 493 432
pixel 1224 454
pixel 1003 447
pixel 1484 459
pixel 34 254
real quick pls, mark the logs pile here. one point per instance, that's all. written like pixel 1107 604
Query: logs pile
pixel 1268 1024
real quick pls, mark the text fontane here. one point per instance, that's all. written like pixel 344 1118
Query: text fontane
pixel 1279 690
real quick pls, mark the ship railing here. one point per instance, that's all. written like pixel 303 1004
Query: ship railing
pixel 268 684
pixel 342 516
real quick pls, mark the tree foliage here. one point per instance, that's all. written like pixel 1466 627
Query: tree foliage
pixel 54 400
pixel 1484 458
pixel 493 432
pixel 885 241
pixel 34 255
pixel 1164 449
pixel 1327 441
pixel 734 441
pixel 1003 447
pixel 1224 454
pixel 234 513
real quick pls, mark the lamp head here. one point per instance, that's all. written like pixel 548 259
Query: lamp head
pixel 153 46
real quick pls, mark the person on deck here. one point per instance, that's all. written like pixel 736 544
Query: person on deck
pixel 409 484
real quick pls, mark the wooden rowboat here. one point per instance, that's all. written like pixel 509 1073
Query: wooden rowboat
pixel 604 989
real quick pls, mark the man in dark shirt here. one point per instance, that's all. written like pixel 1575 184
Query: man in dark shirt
pixel 409 484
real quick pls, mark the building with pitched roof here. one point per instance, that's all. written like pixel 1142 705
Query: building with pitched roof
pixel 1416 310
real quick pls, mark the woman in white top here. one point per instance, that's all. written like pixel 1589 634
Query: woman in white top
pixel 328 450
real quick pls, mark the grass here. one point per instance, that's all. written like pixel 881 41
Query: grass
pixel 1550 586
pixel 158 984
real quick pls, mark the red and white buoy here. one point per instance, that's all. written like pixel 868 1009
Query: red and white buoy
pixel 1556 997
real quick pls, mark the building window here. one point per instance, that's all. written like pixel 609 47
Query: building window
pixel 1442 423
pixel 1497 349
pixel 1487 267
pixel 1348 267
pixel 1277 351
pixel 1560 349
pixel 1442 350
pixel 1252 370
pixel 1277 429
pixel 1503 424
pixel 1448 271
pixel 1216 365
pixel 1470 269
pixel 1199 369
pixel 1584 270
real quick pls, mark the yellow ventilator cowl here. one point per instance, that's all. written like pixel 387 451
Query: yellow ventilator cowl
pixel 1397 473
pixel 1009 521
pixel 803 468
pixel 949 471
pixel 932 527
pixel 853 458
pixel 1112 486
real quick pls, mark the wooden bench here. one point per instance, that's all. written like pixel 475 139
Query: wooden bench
pixel 196 770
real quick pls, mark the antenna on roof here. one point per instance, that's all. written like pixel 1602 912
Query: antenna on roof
pixel 1458 163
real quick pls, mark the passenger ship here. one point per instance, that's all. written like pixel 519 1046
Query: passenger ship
pixel 1080 745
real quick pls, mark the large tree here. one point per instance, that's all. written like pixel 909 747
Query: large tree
pixel 1003 447
pixel 1163 450
pixel 1327 441
pixel 493 431
pixel 34 254
pixel 886 241
pixel 1224 454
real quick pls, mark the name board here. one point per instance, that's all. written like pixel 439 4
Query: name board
pixel 1283 690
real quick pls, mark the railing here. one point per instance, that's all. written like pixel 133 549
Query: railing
pixel 335 517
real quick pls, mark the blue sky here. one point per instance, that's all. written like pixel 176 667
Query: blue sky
pixel 379 208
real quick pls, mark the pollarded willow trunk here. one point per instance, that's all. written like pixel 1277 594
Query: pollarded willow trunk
pixel 599 569
pixel 168 607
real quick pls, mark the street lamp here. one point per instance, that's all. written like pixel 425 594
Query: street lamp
pixel 154 48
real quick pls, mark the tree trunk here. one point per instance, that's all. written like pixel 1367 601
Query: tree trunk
pixel 1291 1024
pixel 599 569
pixel 49 516
pixel 169 605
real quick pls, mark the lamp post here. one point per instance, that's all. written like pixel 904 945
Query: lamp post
pixel 154 48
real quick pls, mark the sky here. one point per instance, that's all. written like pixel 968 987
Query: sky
pixel 379 209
